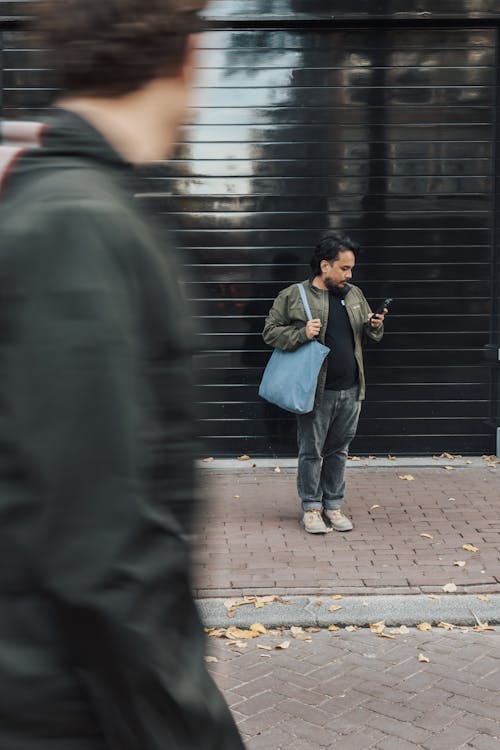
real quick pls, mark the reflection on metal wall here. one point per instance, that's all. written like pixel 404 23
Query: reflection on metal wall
pixel 387 133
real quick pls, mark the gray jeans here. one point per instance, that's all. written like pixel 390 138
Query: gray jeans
pixel 324 437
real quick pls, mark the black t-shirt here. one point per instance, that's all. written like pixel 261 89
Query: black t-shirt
pixel 342 366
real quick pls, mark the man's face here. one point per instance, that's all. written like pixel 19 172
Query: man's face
pixel 338 273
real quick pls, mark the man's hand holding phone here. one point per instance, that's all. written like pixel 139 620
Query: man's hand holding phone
pixel 377 318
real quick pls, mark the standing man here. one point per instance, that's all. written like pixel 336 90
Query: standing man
pixel 341 318
pixel 101 647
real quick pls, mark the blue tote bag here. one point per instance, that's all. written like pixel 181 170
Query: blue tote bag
pixel 290 378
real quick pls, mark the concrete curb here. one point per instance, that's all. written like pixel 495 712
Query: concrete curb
pixel 379 462
pixel 305 611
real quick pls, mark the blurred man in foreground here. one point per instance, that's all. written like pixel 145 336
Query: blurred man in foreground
pixel 100 643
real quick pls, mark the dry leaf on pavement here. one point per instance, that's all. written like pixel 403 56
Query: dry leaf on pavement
pixel 239 644
pixel 283 645
pixel 459 563
pixel 423 658
pixel 333 628
pixel 391 458
pixel 402 630
pixel 244 458
pixel 470 548
pixel 424 626
pixel 434 596
pixel 448 468
pixel 386 635
pixel 277 470
pixel 208 460
pixel 482 627
pixel 334 607
pixel 257 627
pixel 378 627
pixel 299 634
pixel 216 632
pixel 238 633
pixel 407 477
pixel 264 648
pixel 483 597
pixel 450 588
pixel 427 536
pixel 352 628
pixel 211 659
pixel 336 597
pixel 374 506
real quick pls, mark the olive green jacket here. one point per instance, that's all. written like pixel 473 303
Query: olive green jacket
pixel 285 326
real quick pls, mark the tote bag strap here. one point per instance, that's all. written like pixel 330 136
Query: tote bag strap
pixel 304 301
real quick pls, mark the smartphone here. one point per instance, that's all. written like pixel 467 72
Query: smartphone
pixel 385 304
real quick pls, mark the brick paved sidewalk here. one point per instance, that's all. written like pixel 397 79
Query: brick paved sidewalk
pixel 251 542
pixel 357 691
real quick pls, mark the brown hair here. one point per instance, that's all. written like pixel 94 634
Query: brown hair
pixel 113 47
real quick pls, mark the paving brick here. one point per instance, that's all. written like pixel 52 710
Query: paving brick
pixel 485 742
pixel 453 738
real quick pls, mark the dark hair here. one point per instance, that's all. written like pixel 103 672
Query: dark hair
pixel 329 247
pixel 113 47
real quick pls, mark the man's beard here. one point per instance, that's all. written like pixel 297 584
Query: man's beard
pixel 337 291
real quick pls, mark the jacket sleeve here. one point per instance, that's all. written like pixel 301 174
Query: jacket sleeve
pixel 114 565
pixel 279 331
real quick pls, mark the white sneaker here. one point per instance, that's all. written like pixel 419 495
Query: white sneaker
pixel 313 522
pixel 338 520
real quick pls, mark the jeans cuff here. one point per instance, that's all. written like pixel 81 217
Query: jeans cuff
pixel 311 505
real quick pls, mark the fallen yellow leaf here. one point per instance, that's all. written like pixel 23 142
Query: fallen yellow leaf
pixel 407 477
pixel 483 597
pixel 265 648
pixel 244 458
pixel 351 628
pixel 334 607
pixel 239 644
pixel 391 458
pixel 374 506
pixel 402 630
pixel 450 588
pixel 336 597
pixel 211 659
pixel 448 468
pixel 285 644
pixel 208 460
pixel 482 627
pixel 378 627
pixel 333 628
pixel 470 548
pixel 427 536
pixel 238 634
pixel 423 658
pixel 446 626
pixel 216 632
pixel 424 626
pixel 434 596
pixel 386 635
pixel 299 634
pixel 236 497
pixel 459 563
pixel 277 470
pixel 257 627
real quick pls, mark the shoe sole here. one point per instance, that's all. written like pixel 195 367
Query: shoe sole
pixel 328 530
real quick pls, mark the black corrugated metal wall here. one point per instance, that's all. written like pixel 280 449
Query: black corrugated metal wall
pixel 386 132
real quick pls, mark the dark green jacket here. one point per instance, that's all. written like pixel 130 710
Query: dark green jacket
pixel 101 646
pixel 285 326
